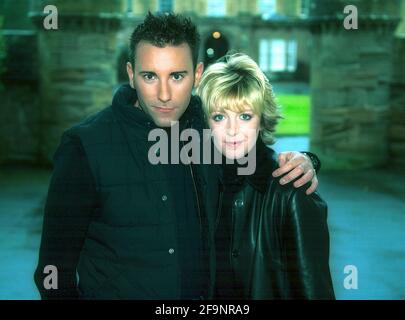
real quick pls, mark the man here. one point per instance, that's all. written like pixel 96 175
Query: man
pixel 127 228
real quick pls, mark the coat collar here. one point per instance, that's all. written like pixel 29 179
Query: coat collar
pixel 266 163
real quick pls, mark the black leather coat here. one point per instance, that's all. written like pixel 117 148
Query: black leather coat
pixel 279 239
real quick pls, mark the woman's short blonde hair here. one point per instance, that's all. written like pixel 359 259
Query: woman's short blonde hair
pixel 236 84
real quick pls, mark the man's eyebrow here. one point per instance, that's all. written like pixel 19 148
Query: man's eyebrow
pixel 145 71
pixel 152 72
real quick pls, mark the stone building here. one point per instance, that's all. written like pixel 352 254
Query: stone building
pixel 270 31
pixel 396 133
pixel 351 80
pixel 19 123
pixel 55 78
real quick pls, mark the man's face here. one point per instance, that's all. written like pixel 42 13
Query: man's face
pixel 163 78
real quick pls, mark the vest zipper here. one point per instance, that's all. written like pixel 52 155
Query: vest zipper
pixel 195 188
pixel 197 198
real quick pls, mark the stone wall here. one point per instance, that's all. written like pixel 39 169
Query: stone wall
pixel 57 78
pixel 78 66
pixel 396 133
pixel 351 74
pixel 15 14
pixel 19 123
pixel 20 102
pixel 19 98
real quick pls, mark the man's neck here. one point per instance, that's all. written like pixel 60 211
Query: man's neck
pixel 138 105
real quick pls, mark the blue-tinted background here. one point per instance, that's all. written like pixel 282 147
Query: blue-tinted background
pixel 53 78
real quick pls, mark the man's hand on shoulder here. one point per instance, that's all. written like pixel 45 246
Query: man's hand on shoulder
pixel 296 164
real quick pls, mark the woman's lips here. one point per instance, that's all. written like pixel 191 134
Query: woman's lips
pixel 233 144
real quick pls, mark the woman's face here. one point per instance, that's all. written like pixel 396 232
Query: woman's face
pixel 234 133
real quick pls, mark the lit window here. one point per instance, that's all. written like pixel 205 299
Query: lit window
pixel 305 4
pixel 264 54
pixel 278 55
pixel 129 5
pixel 165 5
pixel 267 8
pixel 216 8
pixel 291 56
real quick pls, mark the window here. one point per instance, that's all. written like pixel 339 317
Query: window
pixel 304 8
pixel 291 56
pixel 267 8
pixel 165 5
pixel 129 5
pixel 216 8
pixel 278 55
pixel 264 55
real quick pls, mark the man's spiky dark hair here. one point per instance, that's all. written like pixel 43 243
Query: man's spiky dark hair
pixel 165 29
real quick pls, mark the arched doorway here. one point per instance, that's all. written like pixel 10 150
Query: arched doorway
pixel 215 46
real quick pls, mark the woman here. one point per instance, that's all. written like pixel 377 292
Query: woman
pixel 272 240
